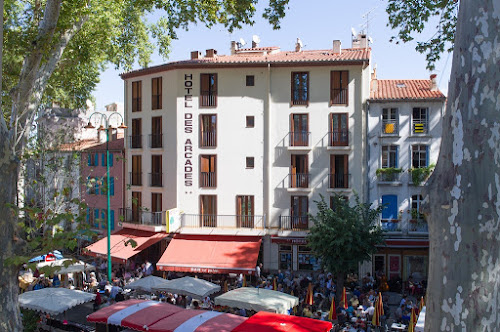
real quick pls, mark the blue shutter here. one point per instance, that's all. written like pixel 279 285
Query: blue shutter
pixel 104 187
pixel 104 220
pixel 111 186
pixel 397 156
pixel 390 203
pixel 96 186
pixel 426 155
pixel 96 218
pixel 88 215
pixel 112 220
pixel 96 160
pixel 89 159
pixel 110 160
pixel 103 159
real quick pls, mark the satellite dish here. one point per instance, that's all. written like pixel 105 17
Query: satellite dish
pixel 301 44
pixel 353 32
pixel 256 39
pixel 242 42
pixel 370 40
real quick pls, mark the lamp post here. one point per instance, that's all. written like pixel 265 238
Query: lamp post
pixel 107 128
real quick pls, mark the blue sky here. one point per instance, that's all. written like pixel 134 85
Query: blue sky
pixel 317 23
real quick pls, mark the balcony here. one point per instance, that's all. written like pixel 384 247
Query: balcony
pixel 156 141
pixel 339 97
pixel 208 99
pixel 222 221
pixel 208 139
pixel 338 181
pixel 299 138
pixel 292 223
pixel 418 226
pixel 135 178
pixel 391 225
pixel 389 175
pixel 298 180
pixel 390 127
pixel 419 127
pixel 135 141
pixel 338 138
pixel 138 217
pixel 208 179
pixel 156 179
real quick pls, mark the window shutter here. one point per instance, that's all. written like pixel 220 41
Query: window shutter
pixel 110 160
pixel 103 159
pixel 88 215
pixel 103 218
pixel 214 84
pixel 204 83
pixel 397 156
pixel 96 218
pixel 96 186
pixel 390 203
pixel 112 221
pixel 96 160
pixel 427 155
pixel 344 84
pixel 111 185
pixel 89 159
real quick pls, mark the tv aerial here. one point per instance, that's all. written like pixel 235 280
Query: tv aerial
pixel 241 43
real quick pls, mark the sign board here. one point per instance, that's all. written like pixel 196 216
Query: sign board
pixel 173 220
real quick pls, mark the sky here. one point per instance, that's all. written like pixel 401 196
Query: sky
pixel 317 23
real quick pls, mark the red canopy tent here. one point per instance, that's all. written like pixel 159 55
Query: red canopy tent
pixel 269 322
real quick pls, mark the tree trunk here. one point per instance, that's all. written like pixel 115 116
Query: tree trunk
pixel 10 318
pixel 340 287
pixel 464 192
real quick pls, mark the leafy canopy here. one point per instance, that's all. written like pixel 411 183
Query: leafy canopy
pixel 346 235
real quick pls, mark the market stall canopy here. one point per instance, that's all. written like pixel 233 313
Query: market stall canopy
pixel 51 256
pixel 65 266
pixel 143 315
pixel 269 322
pixel 211 254
pixel 147 283
pixel 53 300
pixel 194 287
pixel 121 247
pixel 258 299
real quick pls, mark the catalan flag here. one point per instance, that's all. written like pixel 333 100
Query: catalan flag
pixel 333 311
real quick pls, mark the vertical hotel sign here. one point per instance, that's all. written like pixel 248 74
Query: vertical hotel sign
pixel 188 130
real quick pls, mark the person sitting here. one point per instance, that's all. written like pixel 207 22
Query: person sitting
pixel 341 313
pixel 411 285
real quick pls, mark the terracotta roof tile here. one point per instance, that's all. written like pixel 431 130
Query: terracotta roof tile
pixel 392 90
pixel 92 144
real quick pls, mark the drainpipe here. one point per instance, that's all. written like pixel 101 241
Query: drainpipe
pixel 367 138
pixel 267 150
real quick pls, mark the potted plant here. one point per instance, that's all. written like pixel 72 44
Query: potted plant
pixel 388 173
pixel 415 215
pixel 419 175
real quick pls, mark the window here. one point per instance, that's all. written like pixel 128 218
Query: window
pixel 306 259
pixel 137 96
pixel 156 171
pixel 208 90
pixel 104 186
pixel 339 87
pixel 390 121
pixel 156 132
pixel 285 253
pixel 300 88
pixel 136 138
pixel 136 174
pixel 299 130
pixel 136 205
pixel 389 156
pixel 93 159
pixel 208 210
pixel 156 202
pixel 250 121
pixel 156 87
pixel 245 211
pixel 339 129
pixel 419 156
pixel 299 171
pixel 250 80
pixel 96 218
pixel 420 120
pixel 103 160
pixel 339 171
pixel 208 172
pixel 90 217
pixel 416 203
pixel 250 162
pixel 208 130
pixel 93 185
pixel 299 209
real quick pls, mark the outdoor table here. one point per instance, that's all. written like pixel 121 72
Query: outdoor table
pixel 398 327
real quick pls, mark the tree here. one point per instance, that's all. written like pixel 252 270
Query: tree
pixel 344 236
pixel 463 194
pixel 53 51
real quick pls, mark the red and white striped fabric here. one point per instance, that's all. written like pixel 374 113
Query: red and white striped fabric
pixel 155 316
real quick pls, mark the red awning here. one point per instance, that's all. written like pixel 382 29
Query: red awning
pixel 121 248
pixel 211 254
pixel 270 322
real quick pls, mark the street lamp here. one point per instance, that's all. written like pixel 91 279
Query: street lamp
pixel 107 127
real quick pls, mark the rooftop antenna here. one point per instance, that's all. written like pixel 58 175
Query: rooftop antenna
pixel 241 43
pixel 255 41
pixel 369 17
pixel 353 33
pixel 300 42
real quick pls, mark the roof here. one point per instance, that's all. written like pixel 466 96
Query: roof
pixel 402 90
pixel 248 59
pixel 93 144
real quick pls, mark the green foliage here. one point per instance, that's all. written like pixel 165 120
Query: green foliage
pixel 415 214
pixel 410 18
pixel 419 175
pixel 30 320
pixel 388 171
pixel 345 236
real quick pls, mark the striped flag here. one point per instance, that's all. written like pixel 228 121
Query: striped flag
pixel 333 311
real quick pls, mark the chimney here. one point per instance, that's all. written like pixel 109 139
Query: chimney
pixel 255 44
pixel 211 53
pixel 234 47
pixel 195 55
pixel 433 86
pixel 374 72
pixel 337 49
pixel 298 45
pixel 363 41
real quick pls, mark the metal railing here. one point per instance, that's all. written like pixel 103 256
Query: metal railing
pixel 390 127
pixel 294 223
pixel 338 137
pixel 389 177
pixel 156 179
pixel 135 141
pixel 155 141
pixel 208 179
pixel 222 221
pixel 419 126
pixel 391 225
pixel 136 216
pixel 339 96
pixel 208 98
pixel 208 139
pixel 418 226
pixel 299 138
pixel 135 178
pixel 299 180
pixel 338 180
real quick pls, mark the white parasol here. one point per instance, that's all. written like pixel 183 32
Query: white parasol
pixel 147 283
pixel 258 299
pixel 194 287
pixel 53 300
pixel 60 267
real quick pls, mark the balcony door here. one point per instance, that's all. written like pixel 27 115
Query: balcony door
pixel 299 209
pixel 208 171
pixel 339 171
pixel 299 129
pixel 156 132
pixel 339 129
pixel 208 130
pixel 156 171
pixel 208 211
pixel 245 211
pixel 136 170
pixel 136 204
pixel 299 171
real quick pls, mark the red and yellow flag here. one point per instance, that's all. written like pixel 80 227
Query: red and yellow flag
pixel 379 310
pixel 244 284
pixel 333 311
pixel 413 321
pixel 309 295
pixel 421 305
pixel 225 287
pixel 344 298
pixel 275 285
